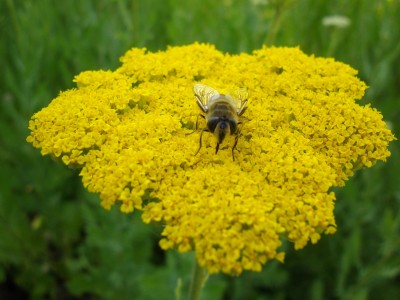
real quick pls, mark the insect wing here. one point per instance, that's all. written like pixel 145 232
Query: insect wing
pixel 240 96
pixel 203 93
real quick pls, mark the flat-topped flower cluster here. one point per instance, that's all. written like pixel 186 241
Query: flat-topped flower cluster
pixel 302 134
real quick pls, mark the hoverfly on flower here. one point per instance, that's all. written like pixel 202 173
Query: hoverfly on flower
pixel 222 113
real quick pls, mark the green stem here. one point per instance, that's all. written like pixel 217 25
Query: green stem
pixel 135 22
pixel 281 6
pixel 199 278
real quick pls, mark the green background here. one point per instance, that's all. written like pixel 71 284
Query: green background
pixel 56 242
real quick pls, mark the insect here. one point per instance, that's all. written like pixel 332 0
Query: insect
pixel 221 111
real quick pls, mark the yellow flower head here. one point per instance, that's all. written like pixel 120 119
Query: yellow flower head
pixel 129 131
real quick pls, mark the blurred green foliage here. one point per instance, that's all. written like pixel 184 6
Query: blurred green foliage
pixel 56 242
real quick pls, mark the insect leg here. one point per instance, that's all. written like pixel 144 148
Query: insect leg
pixel 217 148
pixel 238 132
pixel 197 120
pixel 197 124
pixel 234 147
pixel 201 135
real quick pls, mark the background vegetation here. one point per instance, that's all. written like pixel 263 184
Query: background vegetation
pixel 56 242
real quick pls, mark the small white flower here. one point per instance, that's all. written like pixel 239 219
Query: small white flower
pixel 336 21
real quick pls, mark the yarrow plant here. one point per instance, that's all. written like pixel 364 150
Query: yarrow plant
pixel 303 133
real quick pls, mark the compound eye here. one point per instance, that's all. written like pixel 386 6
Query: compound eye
pixel 212 124
pixel 233 126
